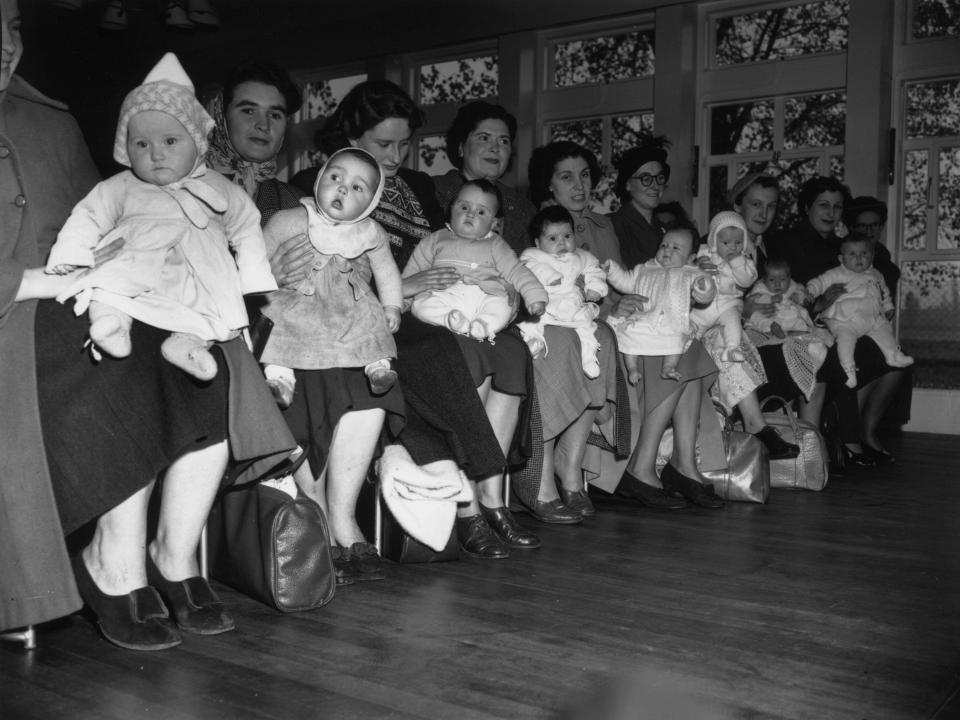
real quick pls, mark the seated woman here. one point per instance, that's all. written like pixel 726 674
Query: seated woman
pixel 812 247
pixel 110 429
pixel 463 398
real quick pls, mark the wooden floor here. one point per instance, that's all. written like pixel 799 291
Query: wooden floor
pixel 842 604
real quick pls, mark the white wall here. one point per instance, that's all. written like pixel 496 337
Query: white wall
pixel 935 411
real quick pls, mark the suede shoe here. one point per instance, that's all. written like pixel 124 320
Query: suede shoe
pixel 555 513
pixel 647 495
pixel 136 621
pixel 696 492
pixel 578 500
pixel 196 607
pixel 344 572
pixel 477 539
pixel 777 447
pixel 366 561
pixel 502 522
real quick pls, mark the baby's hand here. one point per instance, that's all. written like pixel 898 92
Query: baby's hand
pixel 61 269
pixel 537 308
pixel 606 265
pixel 776 298
pixel 799 297
pixel 393 318
pixel 591 296
pixel 706 265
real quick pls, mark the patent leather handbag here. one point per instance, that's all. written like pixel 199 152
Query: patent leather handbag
pixel 271 546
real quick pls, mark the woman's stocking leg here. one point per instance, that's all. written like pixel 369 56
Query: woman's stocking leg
pixel 351 450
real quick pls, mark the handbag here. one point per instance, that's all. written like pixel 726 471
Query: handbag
pixel 747 475
pixel 271 546
pixel 810 469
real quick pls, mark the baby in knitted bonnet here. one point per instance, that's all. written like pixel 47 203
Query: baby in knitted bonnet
pixel 178 222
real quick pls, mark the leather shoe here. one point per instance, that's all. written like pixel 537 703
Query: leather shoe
pixel 881 457
pixel 851 457
pixel 647 495
pixel 696 492
pixel 777 447
pixel 555 513
pixel 502 522
pixel 579 501
pixel 478 539
pixel 196 607
pixel 136 621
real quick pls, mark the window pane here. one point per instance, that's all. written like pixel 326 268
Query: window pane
pixel 588 133
pixel 321 98
pixel 916 182
pixel 929 306
pixel 814 120
pixel 460 80
pixel 629 130
pixel 603 59
pixel 933 109
pixel 432 155
pixel 936 18
pixel 948 205
pixel 807 29
pixel 742 128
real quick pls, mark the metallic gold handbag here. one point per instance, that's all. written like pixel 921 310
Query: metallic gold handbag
pixel 810 469
pixel 747 475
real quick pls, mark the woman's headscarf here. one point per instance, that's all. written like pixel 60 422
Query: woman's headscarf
pixel 224 158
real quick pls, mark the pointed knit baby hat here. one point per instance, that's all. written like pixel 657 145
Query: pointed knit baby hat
pixel 168 89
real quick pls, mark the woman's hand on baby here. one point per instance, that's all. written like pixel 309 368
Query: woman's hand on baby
pixel 393 318
pixel 628 305
pixel 61 269
pixel 435 278
pixel 292 260
pixel 537 308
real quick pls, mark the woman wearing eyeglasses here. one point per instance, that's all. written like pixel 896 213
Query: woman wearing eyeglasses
pixel 642 175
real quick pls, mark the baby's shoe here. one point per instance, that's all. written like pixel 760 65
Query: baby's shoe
pixel 380 376
pixel 851 377
pixel 281 382
pixel 733 354
pixel 899 359
pixel 109 334
pixel 478 330
pixel 591 368
pixel 458 323
pixel 190 354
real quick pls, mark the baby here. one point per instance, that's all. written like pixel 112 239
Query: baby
pixel 333 319
pixel 478 305
pixel 574 283
pixel 864 308
pixel 178 221
pixel 727 255
pixel 787 297
pixel 670 284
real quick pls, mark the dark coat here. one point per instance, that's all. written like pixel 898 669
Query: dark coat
pixel 45 169
pixel 639 240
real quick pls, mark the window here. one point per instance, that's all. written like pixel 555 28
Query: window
pixel 780 33
pixel 320 99
pixel 930 230
pixel 935 18
pixel 460 80
pixel 793 137
pixel 603 59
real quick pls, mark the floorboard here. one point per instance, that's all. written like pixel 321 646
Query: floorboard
pixel 841 604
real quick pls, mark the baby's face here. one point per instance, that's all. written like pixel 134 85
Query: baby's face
pixel 473 213
pixel 777 279
pixel 161 150
pixel 556 238
pixel 856 256
pixel 675 249
pixel 346 188
pixel 729 242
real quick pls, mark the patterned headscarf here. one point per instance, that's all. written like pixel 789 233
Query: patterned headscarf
pixel 224 158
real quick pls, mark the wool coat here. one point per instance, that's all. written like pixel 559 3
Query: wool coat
pixel 45 169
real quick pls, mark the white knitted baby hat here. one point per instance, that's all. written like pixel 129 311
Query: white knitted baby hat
pixel 168 89
pixel 725 219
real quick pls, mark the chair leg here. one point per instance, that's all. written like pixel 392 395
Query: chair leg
pixel 378 519
pixel 28 636
pixel 204 559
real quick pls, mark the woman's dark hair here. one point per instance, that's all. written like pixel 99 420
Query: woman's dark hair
pixel 653 148
pixel 543 163
pixel 550 215
pixel 484 186
pixel 466 121
pixel 815 187
pixel 681 217
pixel 268 73
pixel 862 204
pixel 363 108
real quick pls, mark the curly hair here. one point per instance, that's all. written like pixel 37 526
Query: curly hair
pixel 816 186
pixel 543 163
pixel 363 108
pixel 468 117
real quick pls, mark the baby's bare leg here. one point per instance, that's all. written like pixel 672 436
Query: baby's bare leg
pixel 634 368
pixel 669 370
pixel 110 329
pixel 191 354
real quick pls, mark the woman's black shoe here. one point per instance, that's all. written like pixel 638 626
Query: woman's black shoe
pixel 647 495
pixel 555 512
pixel 502 522
pixel 859 459
pixel 136 621
pixel 478 539
pixel 578 501
pixel 195 605
pixel 694 491
pixel 881 457
pixel 777 447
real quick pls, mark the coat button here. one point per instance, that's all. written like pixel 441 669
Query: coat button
pixel 4 152
pixel 580 228
pixel 20 201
